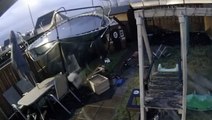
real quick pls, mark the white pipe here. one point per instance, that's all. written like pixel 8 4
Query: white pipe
pixel 139 23
pixel 183 33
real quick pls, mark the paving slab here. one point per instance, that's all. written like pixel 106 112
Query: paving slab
pixel 104 114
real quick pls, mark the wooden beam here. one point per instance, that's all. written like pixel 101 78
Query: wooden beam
pixel 156 3
pixel 167 12
pixel 139 23
pixel 183 34
pixel 146 41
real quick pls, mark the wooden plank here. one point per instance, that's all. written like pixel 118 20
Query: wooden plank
pixel 141 64
pixel 166 108
pixel 183 32
pixel 8 77
pixel 165 12
pixel 146 41
pixel 164 103
pixel 156 3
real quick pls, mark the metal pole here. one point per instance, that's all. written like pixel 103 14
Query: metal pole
pixel 30 13
pixel 183 34
pixel 139 23
pixel 92 2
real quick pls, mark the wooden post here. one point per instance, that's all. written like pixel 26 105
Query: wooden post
pixel 139 23
pixel 183 34
pixel 208 25
pixel 146 41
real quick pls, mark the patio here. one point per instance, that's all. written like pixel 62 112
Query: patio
pixel 108 101
pixel 103 106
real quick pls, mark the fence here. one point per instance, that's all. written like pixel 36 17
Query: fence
pixel 8 77
pixel 172 23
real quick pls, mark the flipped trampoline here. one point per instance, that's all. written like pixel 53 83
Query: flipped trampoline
pixel 73 36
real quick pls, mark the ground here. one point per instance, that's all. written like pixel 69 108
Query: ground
pixel 199 78
pixel 112 103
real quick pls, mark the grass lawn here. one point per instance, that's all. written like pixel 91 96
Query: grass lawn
pixel 121 112
pixel 199 62
pixel 200 66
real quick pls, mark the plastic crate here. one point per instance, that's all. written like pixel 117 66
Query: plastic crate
pixel 99 84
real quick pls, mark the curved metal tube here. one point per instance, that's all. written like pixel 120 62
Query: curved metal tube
pixel 75 9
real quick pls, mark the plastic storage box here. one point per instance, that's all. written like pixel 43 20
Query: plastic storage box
pixel 99 83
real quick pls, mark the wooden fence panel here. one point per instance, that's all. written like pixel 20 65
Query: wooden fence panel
pixel 172 23
pixel 8 77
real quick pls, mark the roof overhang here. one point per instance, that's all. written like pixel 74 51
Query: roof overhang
pixel 119 9
pixel 5 5
pixel 155 3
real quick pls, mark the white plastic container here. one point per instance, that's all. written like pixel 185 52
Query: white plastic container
pixel 99 84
